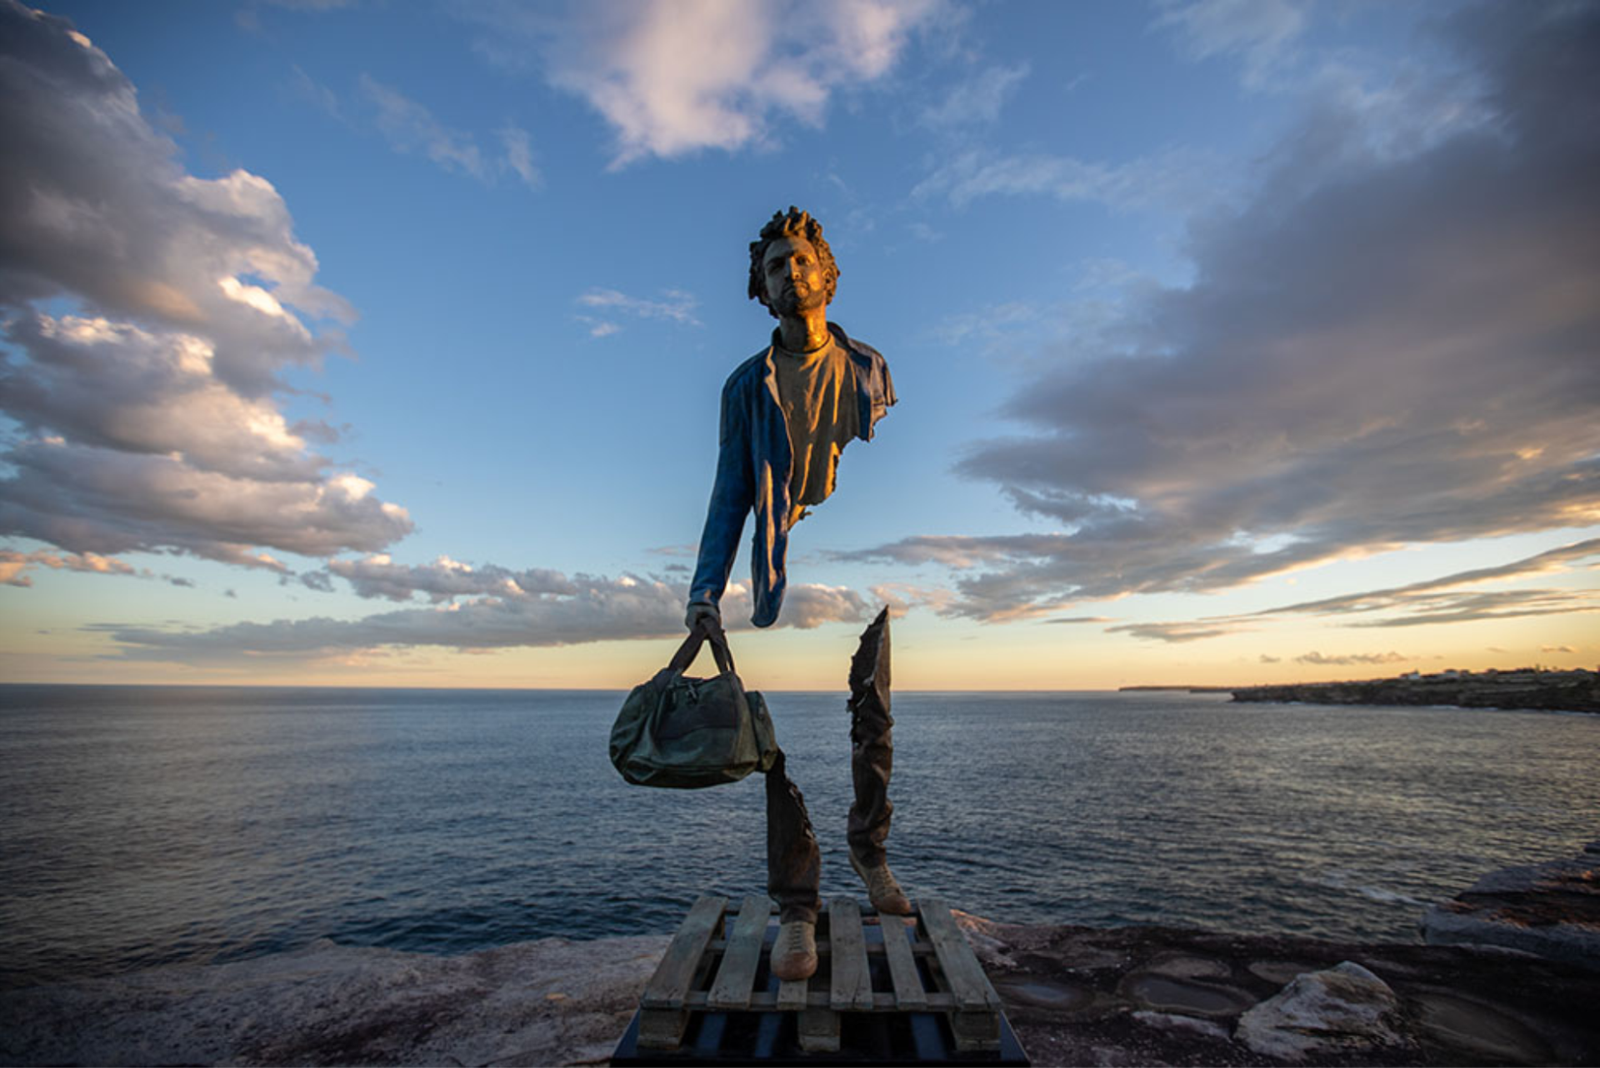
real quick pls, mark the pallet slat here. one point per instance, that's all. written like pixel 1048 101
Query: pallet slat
pixel 960 965
pixel 731 990
pixel 852 979
pixel 908 989
pixel 793 995
pixel 815 998
pixel 676 971
pixel 975 1024
pixel 824 947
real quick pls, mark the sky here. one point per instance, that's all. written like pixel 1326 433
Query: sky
pixel 376 343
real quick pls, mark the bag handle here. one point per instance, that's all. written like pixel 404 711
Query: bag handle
pixel 705 628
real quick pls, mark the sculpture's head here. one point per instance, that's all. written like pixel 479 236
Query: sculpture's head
pixel 791 266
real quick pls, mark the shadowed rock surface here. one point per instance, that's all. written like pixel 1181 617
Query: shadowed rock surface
pixel 1158 995
pixel 1552 909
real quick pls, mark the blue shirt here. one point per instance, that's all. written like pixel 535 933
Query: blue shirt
pixel 753 462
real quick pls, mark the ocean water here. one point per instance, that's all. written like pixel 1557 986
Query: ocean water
pixel 143 825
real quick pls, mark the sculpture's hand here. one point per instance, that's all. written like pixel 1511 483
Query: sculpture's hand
pixel 697 612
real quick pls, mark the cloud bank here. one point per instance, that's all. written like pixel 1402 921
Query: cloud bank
pixel 148 411
pixel 499 609
pixel 1379 349
pixel 1454 598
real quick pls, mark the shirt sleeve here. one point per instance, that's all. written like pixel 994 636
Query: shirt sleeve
pixel 732 496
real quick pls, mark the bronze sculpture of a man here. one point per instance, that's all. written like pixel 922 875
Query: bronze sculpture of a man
pixel 787 414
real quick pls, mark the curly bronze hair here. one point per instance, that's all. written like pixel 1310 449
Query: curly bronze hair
pixel 792 223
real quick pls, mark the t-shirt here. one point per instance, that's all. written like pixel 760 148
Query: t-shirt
pixel 817 391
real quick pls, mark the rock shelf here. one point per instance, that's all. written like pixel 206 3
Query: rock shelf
pixel 1550 909
pixel 1075 995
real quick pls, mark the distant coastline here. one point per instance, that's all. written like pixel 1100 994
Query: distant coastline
pixel 1178 689
pixel 1577 690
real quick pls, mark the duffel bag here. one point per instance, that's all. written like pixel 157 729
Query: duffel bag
pixel 686 733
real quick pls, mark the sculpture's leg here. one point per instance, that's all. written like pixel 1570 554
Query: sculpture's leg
pixel 872 745
pixel 794 864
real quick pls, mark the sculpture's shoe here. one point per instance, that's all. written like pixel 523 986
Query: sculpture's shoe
pixel 794 955
pixel 882 889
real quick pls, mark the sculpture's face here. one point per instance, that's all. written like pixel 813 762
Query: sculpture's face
pixel 794 278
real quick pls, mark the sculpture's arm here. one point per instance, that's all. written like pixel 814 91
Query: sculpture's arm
pixel 732 495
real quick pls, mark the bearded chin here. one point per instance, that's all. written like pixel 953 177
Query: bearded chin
pixel 789 304
pixel 794 304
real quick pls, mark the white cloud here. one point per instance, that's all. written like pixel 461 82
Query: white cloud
pixel 676 78
pixel 1171 632
pixel 675 306
pixel 379 576
pixel 1174 179
pixel 148 411
pixel 89 499
pixel 519 154
pixel 314 92
pixel 1262 33
pixel 806 605
pixel 14 566
pixel 975 101
pixel 410 127
pixel 124 388
pixel 901 597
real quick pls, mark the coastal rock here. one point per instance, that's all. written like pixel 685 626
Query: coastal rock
pixel 547 1002
pixel 1345 1008
pixel 1550 909
pixel 1074 995
pixel 1172 996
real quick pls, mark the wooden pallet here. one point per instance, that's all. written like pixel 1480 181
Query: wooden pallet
pixel 719 962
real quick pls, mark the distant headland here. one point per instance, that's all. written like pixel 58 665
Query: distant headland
pixel 1577 690
pixel 1542 689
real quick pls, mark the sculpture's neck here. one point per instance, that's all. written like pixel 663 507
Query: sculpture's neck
pixel 805 332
